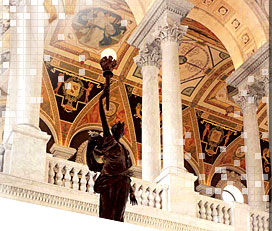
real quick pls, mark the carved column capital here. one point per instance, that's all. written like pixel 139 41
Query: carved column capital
pixel 150 55
pixel 252 92
pixel 263 82
pixel 241 101
pixel 174 32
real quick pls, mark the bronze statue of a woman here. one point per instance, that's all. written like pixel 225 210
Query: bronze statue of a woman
pixel 113 183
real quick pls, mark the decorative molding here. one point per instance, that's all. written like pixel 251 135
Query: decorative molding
pixel 48 199
pixel 150 55
pixel 60 202
pixel 62 151
pixel 249 67
pixel 160 10
pixel 173 33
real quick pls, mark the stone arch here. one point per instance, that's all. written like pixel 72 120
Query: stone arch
pixel 250 23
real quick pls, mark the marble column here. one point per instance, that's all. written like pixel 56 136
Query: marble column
pixel 149 60
pixel 249 96
pixel 181 193
pixel 25 144
pixel 170 39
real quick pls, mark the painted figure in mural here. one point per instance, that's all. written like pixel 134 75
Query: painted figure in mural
pixel 207 129
pixel 227 137
pixel 98 28
pixel 90 87
pixel 113 183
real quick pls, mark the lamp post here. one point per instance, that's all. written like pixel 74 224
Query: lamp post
pixel 108 63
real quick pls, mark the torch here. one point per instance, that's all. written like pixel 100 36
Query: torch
pixel 108 63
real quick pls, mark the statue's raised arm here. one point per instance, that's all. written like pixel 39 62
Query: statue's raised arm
pixel 106 130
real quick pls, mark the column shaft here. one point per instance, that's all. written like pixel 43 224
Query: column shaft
pixel 27 45
pixel 151 144
pixel 254 168
pixel 171 106
pixel 149 60
pixel 24 143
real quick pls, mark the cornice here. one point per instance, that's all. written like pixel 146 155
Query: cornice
pixel 249 67
pixel 160 10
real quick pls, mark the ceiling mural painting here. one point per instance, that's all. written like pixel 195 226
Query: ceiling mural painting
pixel 72 92
pixel 101 25
pixel 73 82
pixel 214 137
pixel 98 28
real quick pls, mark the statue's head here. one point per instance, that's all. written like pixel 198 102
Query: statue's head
pixel 118 130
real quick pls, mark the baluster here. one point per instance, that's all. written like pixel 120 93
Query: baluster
pixel 214 213
pixel 136 192
pixel 260 223
pixel 158 199
pixel 145 195
pixel 220 214
pixel 202 210
pixel 141 192
pixel 75 179
pixel 229 216
pixel 58 174
pixel 67 177
pixel 51 173
pixel 90 183
pixel 266 224
pixel 151 198
pixel 208 211
pixel 225 216
pixel 255 222
pixel 83 181
pixel 251 222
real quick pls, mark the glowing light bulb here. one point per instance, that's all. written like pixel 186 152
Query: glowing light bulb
pixel 109 52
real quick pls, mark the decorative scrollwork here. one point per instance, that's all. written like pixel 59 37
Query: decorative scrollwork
pixel 173 33
pixel 150 55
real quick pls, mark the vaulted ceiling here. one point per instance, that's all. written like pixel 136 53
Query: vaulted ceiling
pixel 221 36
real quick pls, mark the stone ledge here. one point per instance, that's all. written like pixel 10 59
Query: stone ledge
pixel 62 198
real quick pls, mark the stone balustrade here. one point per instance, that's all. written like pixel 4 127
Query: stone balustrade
pixel 69 186
pixel 259 221
pixel 69 174
pixel 67 198
pixel 77 176
pixel 214 210
pixel 148 194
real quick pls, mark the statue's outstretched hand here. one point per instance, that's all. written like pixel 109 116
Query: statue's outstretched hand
pixel 132 198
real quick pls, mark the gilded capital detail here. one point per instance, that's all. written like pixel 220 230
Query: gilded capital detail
pixel 172 33
pixel 150 55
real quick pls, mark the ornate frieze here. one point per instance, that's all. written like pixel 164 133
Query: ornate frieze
pixel 150 55
pixel 173 33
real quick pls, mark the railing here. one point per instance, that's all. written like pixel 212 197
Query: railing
pixel 214 213
pixel 214 210
pixel 78 177
pixel 148 194
pixel 259 221
pixel 70 174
